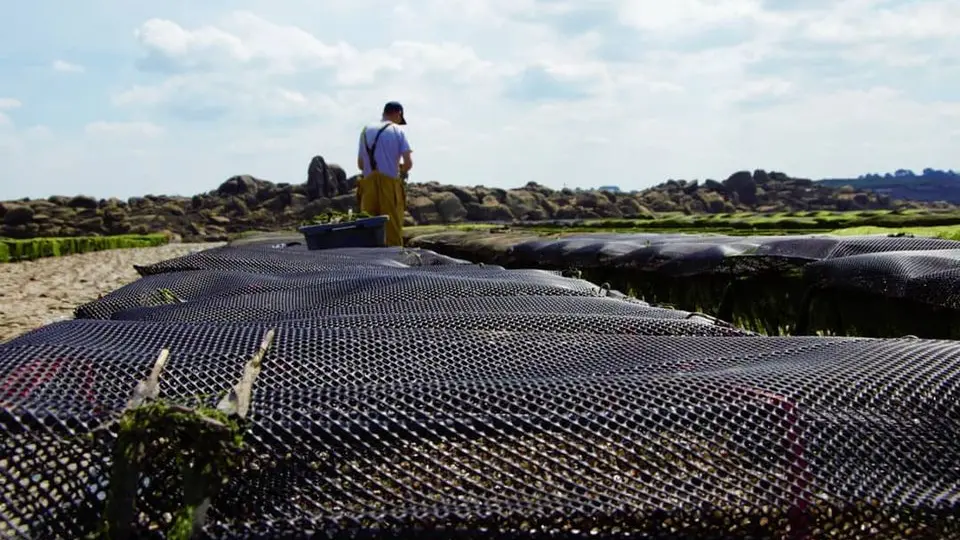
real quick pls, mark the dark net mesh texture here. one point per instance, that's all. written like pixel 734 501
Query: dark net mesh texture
pixel 269 259
pixel 690 254
pixel 931 277
pixel 194 286
pixel 447 431
pixel 582 305
pixel 528 322
pixel 456 400
pixel 648 324
pixel 404 287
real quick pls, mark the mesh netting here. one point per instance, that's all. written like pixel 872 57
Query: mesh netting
pixel 398 401
pixel 339 293
pixel 333 286
pixel 931 277
pixel 757 282
pixel 269 258
pixel 688 254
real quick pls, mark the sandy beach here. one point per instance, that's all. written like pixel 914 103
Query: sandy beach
pixel 33 293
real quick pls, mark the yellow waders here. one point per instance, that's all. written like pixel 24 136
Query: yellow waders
pixel 378 195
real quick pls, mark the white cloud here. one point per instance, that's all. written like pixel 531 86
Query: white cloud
pixel 66 67
pixel 687 15
pixel 502 92
pixel 246 40
pixel 5 121
pixel 42 133
pixel 123 129
pixel 850 23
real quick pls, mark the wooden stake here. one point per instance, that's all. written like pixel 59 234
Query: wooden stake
pixel 237 401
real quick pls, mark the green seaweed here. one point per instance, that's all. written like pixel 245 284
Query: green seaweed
pixel 206 445
pixel 850 312
pixel 36 248
pixel 333 216
pixel 163 297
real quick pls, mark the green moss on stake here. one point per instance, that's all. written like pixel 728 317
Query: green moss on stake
pixel 205 444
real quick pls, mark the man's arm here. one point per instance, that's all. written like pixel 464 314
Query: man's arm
pixel 406 161
pixel 361 149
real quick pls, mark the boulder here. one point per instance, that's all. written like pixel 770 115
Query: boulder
pixel 423 210
pixel 449 207
pixel 325 180
pixel 240 184
pixel 744 186
pixel 82 201
pixel 17 215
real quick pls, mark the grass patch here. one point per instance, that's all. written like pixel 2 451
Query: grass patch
pixel 35 248
pixel 946 232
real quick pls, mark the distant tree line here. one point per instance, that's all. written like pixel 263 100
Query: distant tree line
pixel 928 174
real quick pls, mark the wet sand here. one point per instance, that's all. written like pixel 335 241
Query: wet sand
pixel 34 293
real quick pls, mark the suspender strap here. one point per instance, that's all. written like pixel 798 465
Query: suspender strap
pixel 372 149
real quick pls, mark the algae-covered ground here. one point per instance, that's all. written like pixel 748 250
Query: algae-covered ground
pixel 13 250
pixel 940 224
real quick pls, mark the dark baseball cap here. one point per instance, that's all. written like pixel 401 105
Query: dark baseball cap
pixel 393 107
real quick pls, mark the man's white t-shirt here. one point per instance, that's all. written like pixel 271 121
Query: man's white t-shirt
pixel 390 146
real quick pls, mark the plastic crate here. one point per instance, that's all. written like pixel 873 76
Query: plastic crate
pixel 367 232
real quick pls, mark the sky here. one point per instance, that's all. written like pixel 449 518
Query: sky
pixel 119 98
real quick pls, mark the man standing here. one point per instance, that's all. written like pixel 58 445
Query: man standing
pixel 384 158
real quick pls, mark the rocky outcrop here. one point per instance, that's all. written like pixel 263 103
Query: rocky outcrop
pixel 245 203
pixel 327 180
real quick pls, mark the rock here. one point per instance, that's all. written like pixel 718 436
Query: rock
pixel 139 202
pixel 239 184
pixel 326 180
pixel 760 177
pixel 345 202
pixel 494 212
pixel 591 199
pixel 338 177
pixel 174 209
pixel 298 201
pixel 92 225
pixel 463 195
pixel 523 204
pixel 315 208
pixel 714 186
pixel 423 210
pixel 82 201
pixel 244 203
pixel 41 205
pixel 17 215
pixel 744 186
pixel 449 207
pixel 318 184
